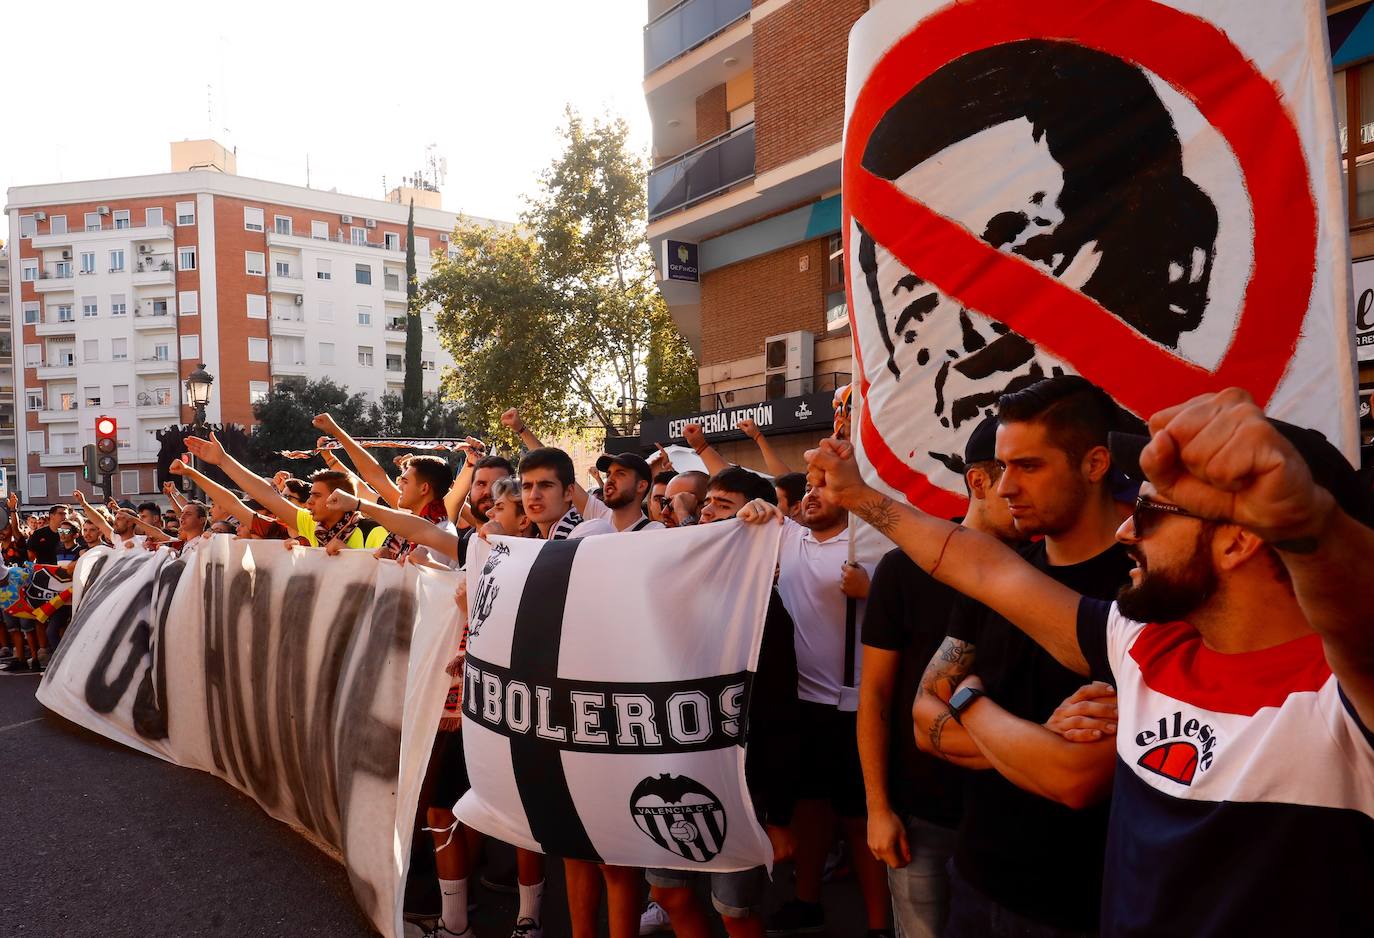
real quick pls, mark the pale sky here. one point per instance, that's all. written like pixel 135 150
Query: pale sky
pixel 362 88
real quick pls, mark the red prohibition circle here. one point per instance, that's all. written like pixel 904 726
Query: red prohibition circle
pixel 1197 59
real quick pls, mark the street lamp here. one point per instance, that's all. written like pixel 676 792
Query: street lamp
pixel 198 384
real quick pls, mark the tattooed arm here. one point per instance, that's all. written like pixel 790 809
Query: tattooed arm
pixel 937 732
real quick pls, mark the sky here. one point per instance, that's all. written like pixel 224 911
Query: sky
pixel 360 89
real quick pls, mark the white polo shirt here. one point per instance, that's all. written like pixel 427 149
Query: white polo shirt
pixel 809 583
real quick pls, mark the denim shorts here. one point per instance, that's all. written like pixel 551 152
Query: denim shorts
pixel 19 623
pixel 735 895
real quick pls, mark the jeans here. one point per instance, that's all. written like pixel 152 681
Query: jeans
pixel 974 915
pixel 920 890
pixel 734 895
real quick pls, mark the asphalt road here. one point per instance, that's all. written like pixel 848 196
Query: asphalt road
pixel 99 841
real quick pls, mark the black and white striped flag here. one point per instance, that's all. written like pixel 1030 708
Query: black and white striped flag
pixel 606 693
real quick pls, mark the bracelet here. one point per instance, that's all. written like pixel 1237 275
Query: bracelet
pixel 939 560
pixel 358 506
pixel 702 450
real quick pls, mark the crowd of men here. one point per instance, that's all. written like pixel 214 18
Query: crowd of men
pixel 1128 693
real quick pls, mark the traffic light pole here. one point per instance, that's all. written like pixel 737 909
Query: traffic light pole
pixel 107 483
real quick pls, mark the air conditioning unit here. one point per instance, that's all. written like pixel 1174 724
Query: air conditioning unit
pixel 300 300
pixel 443 237
pixel 788 363
pixel 145 249
pixel 66 255
pixel 346 219
pixel 102 210
pixel 40 216
pixel 372 223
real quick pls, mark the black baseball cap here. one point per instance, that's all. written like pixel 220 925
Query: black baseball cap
pixel 982 442
pixel 1329 467
pixel 629 461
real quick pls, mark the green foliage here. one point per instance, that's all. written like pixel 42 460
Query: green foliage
pixel 412 392
pixel 285 414
pixel 561 317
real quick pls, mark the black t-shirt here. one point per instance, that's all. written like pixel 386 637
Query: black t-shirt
pixel 43 544
pixel 908 612
pixel 1032 855
pixel 464 535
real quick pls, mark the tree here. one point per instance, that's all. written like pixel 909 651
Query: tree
pixel 561 317
pixel 412 395
pixel 285 414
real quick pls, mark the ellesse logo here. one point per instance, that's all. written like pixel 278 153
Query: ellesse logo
pixel 1179 748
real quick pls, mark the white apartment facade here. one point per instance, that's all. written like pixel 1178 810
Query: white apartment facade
pixel 122 287
pixel 7 411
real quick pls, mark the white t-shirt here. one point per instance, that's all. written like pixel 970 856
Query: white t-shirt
pixel 135 542
pixel 596 509
pixel 809 584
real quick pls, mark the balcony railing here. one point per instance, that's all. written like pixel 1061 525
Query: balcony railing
pixel 687 26
pixel 147 263
pixel 701 172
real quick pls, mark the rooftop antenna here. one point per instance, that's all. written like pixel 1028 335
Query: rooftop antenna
pixel 209 111
pixel 307 170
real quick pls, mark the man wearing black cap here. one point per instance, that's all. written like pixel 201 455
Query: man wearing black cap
pixel 628 480
pixel 1243 655
pixel 914 800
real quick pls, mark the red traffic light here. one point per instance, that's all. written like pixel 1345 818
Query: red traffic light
pixel 105 426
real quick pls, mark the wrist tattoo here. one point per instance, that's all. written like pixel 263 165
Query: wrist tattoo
pixel 880 513
pixel 937 728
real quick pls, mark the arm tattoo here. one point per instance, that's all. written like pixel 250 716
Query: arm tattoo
pixel 937 727
pixel 880 513
pixel 951 664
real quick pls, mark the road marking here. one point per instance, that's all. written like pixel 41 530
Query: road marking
pixel 15 726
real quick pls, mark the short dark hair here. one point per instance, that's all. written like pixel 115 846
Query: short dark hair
pixel 665 476
pixel 495 462
pixel 550 457
pixel 334 479
pixel 740 481
pixel 1076 413
pixel 154 507
pixel 793 485
pixel 435 470
pixel 298 488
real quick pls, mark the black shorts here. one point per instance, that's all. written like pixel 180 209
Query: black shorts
pixel 830 769
pixel 446 778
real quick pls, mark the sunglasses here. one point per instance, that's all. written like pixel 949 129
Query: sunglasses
pixel 662 501
pixel 1144 509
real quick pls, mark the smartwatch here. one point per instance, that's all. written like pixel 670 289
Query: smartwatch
pixel 964 699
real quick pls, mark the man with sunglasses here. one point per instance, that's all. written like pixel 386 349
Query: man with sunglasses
pixel 1242 651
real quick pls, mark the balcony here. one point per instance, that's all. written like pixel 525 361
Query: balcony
pixel 69 415
pixel 295 242
pixel 55 327
pixel 56 371
pixel 156 366
pixel 288 324
pixel 702 172
pixel 290 282
pixel 396 324
pixel 154 269
pixel 56 277
pixel 394 290
pixel 66 458
pixel 107 234
pixel 156 411
pixel 686 26
pixel 150 318
pixel 290 369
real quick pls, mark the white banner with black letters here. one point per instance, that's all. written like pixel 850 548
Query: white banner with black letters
pixel 605 689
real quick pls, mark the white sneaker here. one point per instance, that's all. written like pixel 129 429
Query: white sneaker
pixel 654 919
pixel 527 928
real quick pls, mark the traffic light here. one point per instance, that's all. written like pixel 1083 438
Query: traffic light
pixel 106 446
pixel 89 471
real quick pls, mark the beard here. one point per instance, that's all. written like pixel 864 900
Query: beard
pixel 1170 596
pixel 620 499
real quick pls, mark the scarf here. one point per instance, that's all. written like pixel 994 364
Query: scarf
pixel 434 512
pixel 341 528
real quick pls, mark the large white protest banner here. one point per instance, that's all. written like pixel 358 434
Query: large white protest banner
pixel 605 692
pixel 1143 192
pixel 313 684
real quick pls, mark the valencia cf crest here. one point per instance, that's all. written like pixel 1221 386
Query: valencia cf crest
pixel 680 814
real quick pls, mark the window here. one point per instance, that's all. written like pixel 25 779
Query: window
pixel 392 241
pixel 427 364
pixel 362 273
pixel 257 306
pixel 364 315
pixel 38 442
pixel 38 485
pixel 365 356
pixel 33 400
pixel 88 308
pixel 162 352
pixel 119 350
pixel 252 219
pixel 66 484
pixel 33 356
pixel 88 262
pixel 63 356
pixel 64 312
pixel 257 391
pixel 57 224
pixel 118 307
pixel 152 217
pixel 326 311
pixel 116 261
pixel 186 213
pixel 322 271
pixel 281 224
pixel 28 270
pixel 257 350
pixel 161 396
pixel 129 483
pixel 120 398
pixel 159 307
pixel 66 400
pixel 188 301
pixel 121 219
pixel 28 226
pixel 62 270
pixel 254 263
pixel 32 312
pixel 64 443
pixel 421 246
pixel 190 346
pixel 393 362
pixel 358 235
pixel 91 396
pixel 92 221
pixel 90 350
pixel 282 268
pixel 1355 109
pixel 319 229
pixel 186 259
pixel 326 353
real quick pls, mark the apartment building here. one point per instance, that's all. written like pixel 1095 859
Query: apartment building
pixel 747 104
pixel 125 286
pixel 7 425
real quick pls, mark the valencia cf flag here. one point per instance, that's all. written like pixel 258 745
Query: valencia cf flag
pixel 606 692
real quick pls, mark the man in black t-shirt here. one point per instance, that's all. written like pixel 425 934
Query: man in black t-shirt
pixel 1030 848
pixel 43 543
pixel 915 801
